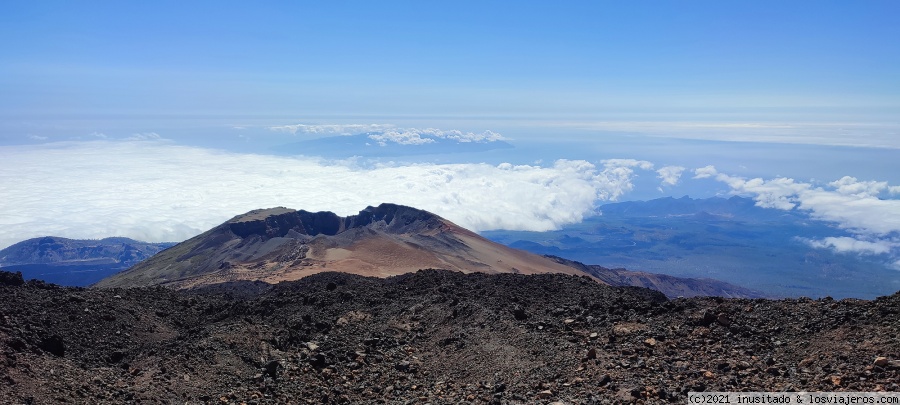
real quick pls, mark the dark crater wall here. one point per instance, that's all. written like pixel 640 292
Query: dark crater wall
pixel 396 218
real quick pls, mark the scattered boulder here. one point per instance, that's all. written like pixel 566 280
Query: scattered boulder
pixel 707 319
pixel 403 366
pixel 318 360
pixel 116 356
pixel 723 320
pixel 271 368
pixel 53 344
pixel 604 380
pixel 519 313
pixel 11 279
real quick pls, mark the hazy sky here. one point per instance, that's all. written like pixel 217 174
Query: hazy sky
pixel 158 120
pixel 797 61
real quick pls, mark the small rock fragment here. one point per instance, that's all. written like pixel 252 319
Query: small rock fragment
pixel 836 380
pixel 519 313
pixel 403 366
pixel 318 360
pixel 723 320
pixel 606 379
pixel 708 318
pixel 272 368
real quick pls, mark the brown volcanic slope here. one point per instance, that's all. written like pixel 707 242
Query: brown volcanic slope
pixel 281 244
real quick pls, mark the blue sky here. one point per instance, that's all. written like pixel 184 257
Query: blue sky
pixel 158 120
pixel 702 60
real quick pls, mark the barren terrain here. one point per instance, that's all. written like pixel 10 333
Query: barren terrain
pixel 432 336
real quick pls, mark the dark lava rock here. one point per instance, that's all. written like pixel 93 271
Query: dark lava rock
pixel 11 279
pixel 519 313
pixel 271 368
pixel 116 357
pixel 53 345
pixel 403 366
pixel 318 360
pixel 430 337
pixel 604 380
pixel 708 318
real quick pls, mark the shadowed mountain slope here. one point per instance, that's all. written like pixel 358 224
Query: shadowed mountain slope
pixel 671 286
pixel 75 262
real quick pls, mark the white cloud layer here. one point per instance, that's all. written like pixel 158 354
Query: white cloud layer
pixel 415 136
pixel 618 175
pixel 670 174
pixel 384 134
pixel 144 136
pixel 331 129
pixel 851 186
pixel 850 203
pixel 157 191
pixel 844 244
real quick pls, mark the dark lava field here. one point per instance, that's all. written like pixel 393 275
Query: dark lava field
pixel 434 337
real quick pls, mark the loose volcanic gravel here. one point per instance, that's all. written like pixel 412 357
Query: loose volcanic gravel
pixel 434 337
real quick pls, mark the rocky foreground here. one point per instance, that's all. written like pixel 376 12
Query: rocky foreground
pixel 430 337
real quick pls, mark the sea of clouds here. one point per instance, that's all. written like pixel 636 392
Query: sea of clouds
pixel 155 190
pixel 858 206
pixel 384 134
